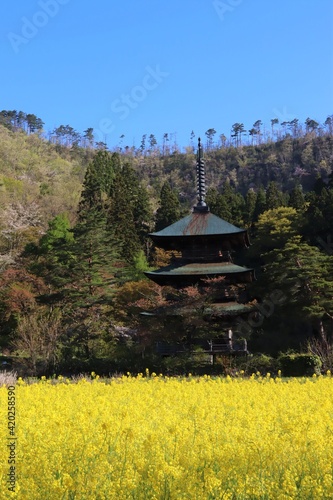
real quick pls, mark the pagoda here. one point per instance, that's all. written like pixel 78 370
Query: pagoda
pixel 203 245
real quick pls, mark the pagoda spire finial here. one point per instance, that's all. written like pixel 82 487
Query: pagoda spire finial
pixel 201 182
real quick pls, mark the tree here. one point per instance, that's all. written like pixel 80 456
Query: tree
pixel 250 205
pixel 20 291
pixel 218 204
pixel 142 214
pixel 223 140
pixel 21 223
pixel 319 214
pixel 59 232
pixel 143 143
pixel 129 213
pixel 210 137
pixel 97 183
pixel 294 127
pixel 274 197
pixel 297 199
pixel 304 274
pixel 101 146
pixel 165 141
pixel 38 336
pixel 237 131
pixel 152 142
pixel 169 209
pixel 284 126
pixel 275 227
pixel 311 125
pixel 253 132
pixel 260 205
pixel 257 127
pixel 228 205
pixel 274 121
pixel 35 124
pixel 329 124
pixel 94 259
pixel 82 274
pixel 89 137
pixel 192 137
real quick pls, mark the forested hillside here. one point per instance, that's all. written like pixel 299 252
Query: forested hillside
pixel 75 218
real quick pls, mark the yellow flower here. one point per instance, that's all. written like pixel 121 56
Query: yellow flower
pixel 168 437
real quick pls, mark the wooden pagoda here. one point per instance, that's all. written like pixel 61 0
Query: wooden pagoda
pixel 204 244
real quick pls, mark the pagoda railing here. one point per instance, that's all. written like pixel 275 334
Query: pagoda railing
pixel 203 347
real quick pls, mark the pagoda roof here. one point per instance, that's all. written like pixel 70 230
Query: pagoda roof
pixel 228 309
pixel 194 271
pixel 214 310
pixel 199 223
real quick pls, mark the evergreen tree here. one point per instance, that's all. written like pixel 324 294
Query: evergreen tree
pixel 142 214
pixel 96 267
pixel 97 183
pixel 59 232
pixel 275 227
pixel 274 197
pixel 250 205
pixel 235 202
pixel 121 220
pixel 94 260
pixel 82 273
pixel 260 205
pixel 319 185
pixel 319 215
pixel 129 213
pixel 304 274
pixel 218 205
pixel 228 205
pixel 297 199
pixel 82 268
pixel 169 209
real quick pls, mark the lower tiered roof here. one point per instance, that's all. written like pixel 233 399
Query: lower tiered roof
pixel 185 273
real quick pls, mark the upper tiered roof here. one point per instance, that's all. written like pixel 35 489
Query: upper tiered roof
pixel 202 225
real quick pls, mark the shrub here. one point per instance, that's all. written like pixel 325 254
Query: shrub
pixel 258 363
pixel 299 365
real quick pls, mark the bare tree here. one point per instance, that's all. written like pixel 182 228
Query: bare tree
pixel 323 348
pixel 37 336
pixel 16 220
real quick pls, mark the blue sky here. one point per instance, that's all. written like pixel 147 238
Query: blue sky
pixel 153 67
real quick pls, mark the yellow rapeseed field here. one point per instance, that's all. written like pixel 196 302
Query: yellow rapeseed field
pixel 171 438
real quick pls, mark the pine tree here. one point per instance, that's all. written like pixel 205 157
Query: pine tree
pixel 228 205
pixel 297 199
pixel 218 205
pixel 169 209
pixel 274 197
pixel 319 215
pixel 319 184
pixel 304 274
pixel 82 272
pixel 275 227
pixel 129 213
pixel 260 205
pixel 98 181
pixel 59 232
pixel 121 220
pixel 142 214
pixel 250 205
